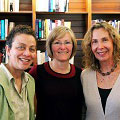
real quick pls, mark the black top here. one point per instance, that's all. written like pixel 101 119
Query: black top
pixel 59 96
pixel 104 95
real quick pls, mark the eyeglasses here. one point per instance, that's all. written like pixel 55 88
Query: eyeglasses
pixel 66 43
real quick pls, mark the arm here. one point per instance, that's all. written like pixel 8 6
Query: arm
pixel 4 113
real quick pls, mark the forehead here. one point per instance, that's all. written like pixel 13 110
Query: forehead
pixel 100 32
pixel 24 39
pixel 65 36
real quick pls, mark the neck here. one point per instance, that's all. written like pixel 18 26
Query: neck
pixel 107 69
pixel 106 66
pixel 15 73
pixel 60 67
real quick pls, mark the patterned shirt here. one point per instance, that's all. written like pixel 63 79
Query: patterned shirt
pixel 19 99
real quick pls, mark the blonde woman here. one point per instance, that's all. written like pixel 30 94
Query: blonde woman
pixel 101 78
pixel 58 86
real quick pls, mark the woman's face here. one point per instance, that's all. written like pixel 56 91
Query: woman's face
pixel 102 45
pixel 62 48
pixel 22 53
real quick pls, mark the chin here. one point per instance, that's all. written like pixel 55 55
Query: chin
pixel 64 60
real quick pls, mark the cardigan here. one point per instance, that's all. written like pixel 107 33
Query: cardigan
pixel 93 99
pixel 6 109
pixel 59 96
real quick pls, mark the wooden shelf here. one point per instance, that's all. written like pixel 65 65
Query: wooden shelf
pixel 37 12
pixel 105 13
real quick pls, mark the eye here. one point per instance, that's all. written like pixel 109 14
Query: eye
pixel 32 50
pixel 94 41
pixel 68 43
pixel 21 48
pixel 57 43
pixel 105 39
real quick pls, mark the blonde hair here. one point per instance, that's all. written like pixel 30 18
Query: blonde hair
pixel 89 59
pixel 59 32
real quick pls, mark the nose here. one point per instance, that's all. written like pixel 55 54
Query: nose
pixel 100 45
pixel 62 45
pixel 27 52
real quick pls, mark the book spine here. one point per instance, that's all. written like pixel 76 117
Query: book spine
pixel 2 29
pixel 36 27
pixel 6 28
pixel 40 29
pixel 50 5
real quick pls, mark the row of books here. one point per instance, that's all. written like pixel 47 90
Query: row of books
pixel 44 27
pixel 52 5
pixel 5 28
pixel 114 23
pixel 42 57
pixel 9 5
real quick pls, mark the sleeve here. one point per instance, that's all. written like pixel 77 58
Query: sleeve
pixel 33 72
pixel 2 99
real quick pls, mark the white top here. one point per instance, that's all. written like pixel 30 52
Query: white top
pixel 93 99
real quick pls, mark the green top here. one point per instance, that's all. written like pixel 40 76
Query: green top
pixel 7 107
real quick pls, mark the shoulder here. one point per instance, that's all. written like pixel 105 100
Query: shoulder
pixel 3 78
pixel 29 77
pixel 87 72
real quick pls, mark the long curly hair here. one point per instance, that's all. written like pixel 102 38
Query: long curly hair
pixel 89 60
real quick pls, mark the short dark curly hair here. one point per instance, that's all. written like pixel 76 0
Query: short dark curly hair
pixel 19 29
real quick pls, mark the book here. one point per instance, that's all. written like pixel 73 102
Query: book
pixel 42 5
pixel 2 7
pixel 67 6
pixel 40 29
pixel 47 58
pixel 6 28
pixel 6 5
pixel 40 57
pixel 16 5
pixel 67 24
pixel 2 29
pixel 37 27
pixel 50 5
pixel 11 25
pixel 56 5
pixel 62 4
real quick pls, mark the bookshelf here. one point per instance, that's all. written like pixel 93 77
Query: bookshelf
pixel 80 16
pixel 81 13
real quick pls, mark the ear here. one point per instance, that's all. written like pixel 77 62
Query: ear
pixel 7 48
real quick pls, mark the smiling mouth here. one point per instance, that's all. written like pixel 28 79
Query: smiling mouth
pixel 101 53
pixel 62 52
pixel 24 60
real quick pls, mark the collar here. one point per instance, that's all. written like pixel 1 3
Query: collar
pixel 59 75
pixel 9 75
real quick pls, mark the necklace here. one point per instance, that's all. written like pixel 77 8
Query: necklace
pixel 107 73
